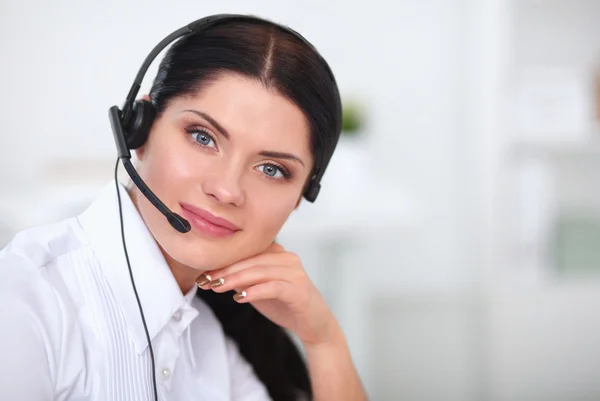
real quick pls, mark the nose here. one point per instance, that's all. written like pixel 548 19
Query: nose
pixel 225 187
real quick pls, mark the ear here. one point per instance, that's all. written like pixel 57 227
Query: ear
pixel 139 152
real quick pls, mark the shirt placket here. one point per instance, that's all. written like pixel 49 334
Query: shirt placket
pixel 170 345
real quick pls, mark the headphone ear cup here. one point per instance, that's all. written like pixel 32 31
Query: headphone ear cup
pixel 311 193
pixel 138 126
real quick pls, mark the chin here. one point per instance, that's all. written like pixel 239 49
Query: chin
pixel 203 257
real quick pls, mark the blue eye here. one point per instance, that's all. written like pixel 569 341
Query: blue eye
pixel 202 137
pixel 273 171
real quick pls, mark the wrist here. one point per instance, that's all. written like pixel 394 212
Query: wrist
pixel 332 337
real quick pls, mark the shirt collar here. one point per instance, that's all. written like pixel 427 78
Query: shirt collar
pixel 158 291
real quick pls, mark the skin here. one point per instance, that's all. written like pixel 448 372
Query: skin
pixel 229 176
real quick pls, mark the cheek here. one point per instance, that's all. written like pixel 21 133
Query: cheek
pixel 167 175
pixel 269 213
pixel 169 170
pixel 167 167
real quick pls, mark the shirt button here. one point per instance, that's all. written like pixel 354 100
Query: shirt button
pixel 177 315
pixel 166 373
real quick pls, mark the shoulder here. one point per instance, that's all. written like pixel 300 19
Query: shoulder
pixel 41 337
pixel 28 271
pixel 37 246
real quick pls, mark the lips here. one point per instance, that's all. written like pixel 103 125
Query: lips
pixel 207 222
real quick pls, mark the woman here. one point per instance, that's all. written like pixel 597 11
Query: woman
pixel 246 113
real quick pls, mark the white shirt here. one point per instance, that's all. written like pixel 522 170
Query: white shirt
pixel 71 327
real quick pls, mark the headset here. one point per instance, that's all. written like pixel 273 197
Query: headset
pixel 131 126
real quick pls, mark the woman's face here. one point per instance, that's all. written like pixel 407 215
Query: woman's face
pixel 235 151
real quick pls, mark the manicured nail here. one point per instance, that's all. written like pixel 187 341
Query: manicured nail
pixel 239 295
pixel 205 280
pixel 218 282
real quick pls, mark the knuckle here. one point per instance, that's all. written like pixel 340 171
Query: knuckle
pixel 276 247
pixel 293 258
pixel 298 273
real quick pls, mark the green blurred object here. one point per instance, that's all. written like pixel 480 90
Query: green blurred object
pixel 352 118
pixel 577 248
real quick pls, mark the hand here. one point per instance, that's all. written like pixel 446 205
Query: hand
pixel 275 283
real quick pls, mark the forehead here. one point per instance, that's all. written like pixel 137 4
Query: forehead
pixel 253 115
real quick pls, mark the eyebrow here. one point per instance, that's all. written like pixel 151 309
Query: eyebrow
pixel 211 120
pixel 281 155
pixel 223 131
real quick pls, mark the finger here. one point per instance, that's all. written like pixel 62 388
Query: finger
pixel 281 290
pixel 255 275
pixel 273 258
pixel 203 281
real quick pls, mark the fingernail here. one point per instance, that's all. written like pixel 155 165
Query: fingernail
pixel 239 295
pixel 207 279
pixel 217 283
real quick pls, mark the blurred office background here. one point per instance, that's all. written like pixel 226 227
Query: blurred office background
pixel 457 235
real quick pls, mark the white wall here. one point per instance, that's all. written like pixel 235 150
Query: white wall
pixel 541 324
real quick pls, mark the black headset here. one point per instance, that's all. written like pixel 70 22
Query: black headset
pixel 131 127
